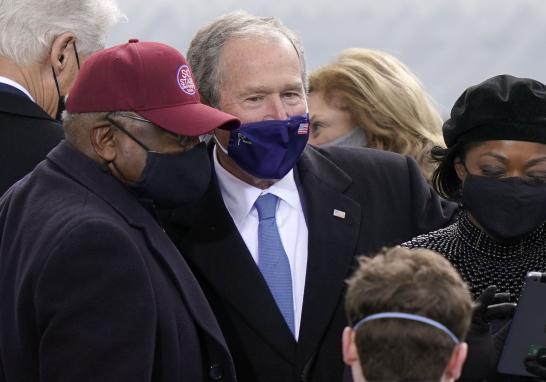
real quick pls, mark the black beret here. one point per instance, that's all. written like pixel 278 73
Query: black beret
pixel 500 108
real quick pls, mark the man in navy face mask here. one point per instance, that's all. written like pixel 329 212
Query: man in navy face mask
pixel 91 286
pixel 276 233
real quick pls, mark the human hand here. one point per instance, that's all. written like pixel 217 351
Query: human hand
pixel 490 323
pixel 491 306
pixel 536 364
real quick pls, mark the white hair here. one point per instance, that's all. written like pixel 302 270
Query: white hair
pixel 206 47
pixel 28 27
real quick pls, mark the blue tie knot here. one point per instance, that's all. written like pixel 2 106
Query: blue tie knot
pixel 266 206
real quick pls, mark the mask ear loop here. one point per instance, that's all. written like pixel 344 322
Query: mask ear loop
pixel 459 193
pixel 219 144
pixel 76 53
pixel 56 83
pixel 55 76
pixel 466 168
pixel 126 132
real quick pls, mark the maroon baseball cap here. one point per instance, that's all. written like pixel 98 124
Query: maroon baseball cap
pixel 150 79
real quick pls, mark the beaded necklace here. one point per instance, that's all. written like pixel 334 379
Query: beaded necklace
pixel 483 261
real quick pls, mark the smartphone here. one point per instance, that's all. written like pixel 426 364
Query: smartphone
pixel 527 335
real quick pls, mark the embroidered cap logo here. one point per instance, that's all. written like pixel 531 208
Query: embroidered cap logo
pixel 243 139
pixel 185 80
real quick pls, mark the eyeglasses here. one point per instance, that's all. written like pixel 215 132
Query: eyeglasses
pixel 183 140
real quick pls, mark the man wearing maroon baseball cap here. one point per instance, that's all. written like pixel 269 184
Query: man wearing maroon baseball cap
pixel 91 286
pixel 142 100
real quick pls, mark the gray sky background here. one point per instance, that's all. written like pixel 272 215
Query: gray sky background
pixel 449 44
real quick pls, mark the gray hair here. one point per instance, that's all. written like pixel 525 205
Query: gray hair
pixel 28 27
pixel 206 47
pixel 76 126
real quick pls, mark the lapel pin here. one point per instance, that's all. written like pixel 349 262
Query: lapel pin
pixel 339 214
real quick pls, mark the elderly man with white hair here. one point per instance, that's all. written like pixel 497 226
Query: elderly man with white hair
pixel 42 45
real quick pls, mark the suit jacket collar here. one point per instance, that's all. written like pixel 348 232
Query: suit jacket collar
pixel 13 101
pixel 14 84
pixel 314 163
pixel 100 182
pixel 219 255
pixel 333 220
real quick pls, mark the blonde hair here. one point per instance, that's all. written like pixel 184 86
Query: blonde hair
pixel 385 99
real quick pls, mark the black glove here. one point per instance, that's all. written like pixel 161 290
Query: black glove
pixel 491 306
pixel 537 364
pixel 488 330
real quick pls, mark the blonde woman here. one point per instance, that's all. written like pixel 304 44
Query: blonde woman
pixel 369 98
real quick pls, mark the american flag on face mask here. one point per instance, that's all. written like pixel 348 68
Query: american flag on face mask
pixel 303 129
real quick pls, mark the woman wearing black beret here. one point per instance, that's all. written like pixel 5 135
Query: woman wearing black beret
pixel 495 167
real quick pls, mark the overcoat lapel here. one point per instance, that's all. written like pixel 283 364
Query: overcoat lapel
pixel 119 198
pixel 219 256
pixel 333 221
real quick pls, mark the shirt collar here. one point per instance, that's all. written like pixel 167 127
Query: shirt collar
pixel 16 85
pixel 240 196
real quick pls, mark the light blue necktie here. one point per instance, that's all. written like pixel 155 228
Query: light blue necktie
pixel 272 261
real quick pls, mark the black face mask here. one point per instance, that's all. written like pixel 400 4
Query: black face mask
pixel 61 106
pixel 171 180
pixel 506 208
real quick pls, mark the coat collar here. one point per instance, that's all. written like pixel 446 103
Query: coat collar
pixel 101 183
pixel 14 101
pixel 313 163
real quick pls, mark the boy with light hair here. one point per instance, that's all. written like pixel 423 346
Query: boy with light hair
pixel 409 313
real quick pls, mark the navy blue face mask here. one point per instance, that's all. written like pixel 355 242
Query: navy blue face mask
pixel 268 149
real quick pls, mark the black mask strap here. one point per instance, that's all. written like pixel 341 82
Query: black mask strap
pixel 126 132
pixel 55 76
pixel 56 82
pixel 77 56
pixel 60 102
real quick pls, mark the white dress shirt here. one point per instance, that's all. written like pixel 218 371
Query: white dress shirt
pixel 18 86
pixel 239 198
